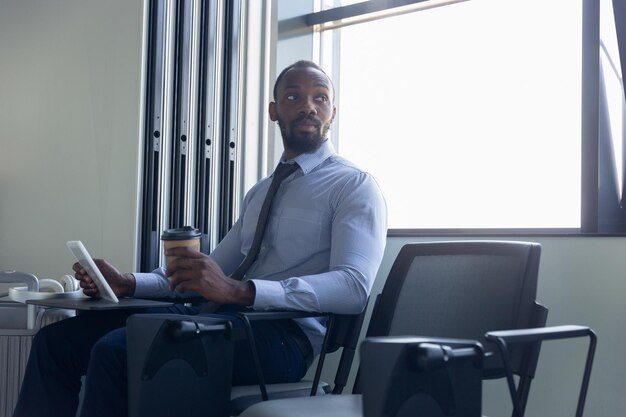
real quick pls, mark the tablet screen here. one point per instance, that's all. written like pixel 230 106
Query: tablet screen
pixel 84 259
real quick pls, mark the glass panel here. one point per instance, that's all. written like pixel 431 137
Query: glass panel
pixel 469 115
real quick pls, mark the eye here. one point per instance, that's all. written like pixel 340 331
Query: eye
pixel 291 97
pixel 322 98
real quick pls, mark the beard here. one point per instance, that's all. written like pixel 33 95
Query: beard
pixel 303 142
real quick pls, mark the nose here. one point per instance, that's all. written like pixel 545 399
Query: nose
pixel 308 106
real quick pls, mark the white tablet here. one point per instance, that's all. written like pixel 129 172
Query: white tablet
pixel 82 256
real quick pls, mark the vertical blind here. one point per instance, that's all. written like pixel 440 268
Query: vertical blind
pixel 192 128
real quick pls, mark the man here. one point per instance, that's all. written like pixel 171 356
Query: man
pixel 321 250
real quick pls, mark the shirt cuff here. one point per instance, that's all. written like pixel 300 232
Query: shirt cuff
pixel 149 284
pixel 269 295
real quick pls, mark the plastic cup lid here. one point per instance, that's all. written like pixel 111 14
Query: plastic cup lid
pixel 182 233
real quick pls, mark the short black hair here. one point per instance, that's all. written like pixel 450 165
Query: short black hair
pixel 301 64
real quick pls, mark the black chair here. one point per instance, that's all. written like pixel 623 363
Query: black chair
pixel 460 290
pixel 426 377
pixel 342 333
pixel 179 365
pixel 416 376
pixel 505 338
pixel 147 331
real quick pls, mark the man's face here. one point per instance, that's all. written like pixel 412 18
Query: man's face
pixel 304 110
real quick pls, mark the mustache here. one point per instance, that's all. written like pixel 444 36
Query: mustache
pixel 307 118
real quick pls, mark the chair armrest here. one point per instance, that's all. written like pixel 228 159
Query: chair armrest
pixel 537 335
pixel 254 315
pixel 540 334
pixel 32 284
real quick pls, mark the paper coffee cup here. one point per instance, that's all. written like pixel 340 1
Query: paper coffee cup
pixel 183 236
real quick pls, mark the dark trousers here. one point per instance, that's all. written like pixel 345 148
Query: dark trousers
pixel 94 345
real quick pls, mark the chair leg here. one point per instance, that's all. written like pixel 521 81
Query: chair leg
pixel 523 389
pixel 255 356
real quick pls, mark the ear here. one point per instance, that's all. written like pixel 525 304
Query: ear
pixel 334 113
pixel 272 112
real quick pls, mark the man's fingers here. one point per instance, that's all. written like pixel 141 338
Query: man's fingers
pixel 183 264
pixel 87 284
pixel 78 268
pixel 89 287
pixel 180 282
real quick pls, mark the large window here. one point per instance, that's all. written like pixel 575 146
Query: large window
pixel 472 115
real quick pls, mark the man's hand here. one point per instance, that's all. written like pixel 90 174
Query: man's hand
pixel 123 285
pixel 195 271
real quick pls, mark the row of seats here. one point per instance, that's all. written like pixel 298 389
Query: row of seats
pixel 450 315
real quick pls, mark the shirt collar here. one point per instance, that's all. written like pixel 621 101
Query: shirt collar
pixel 309 161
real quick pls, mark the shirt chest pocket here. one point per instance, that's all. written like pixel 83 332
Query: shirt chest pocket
pixel 298 234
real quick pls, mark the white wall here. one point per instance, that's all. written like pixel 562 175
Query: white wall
pixel 69 140
pixel 582 281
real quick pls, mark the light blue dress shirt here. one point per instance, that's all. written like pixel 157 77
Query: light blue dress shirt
pixel 321 249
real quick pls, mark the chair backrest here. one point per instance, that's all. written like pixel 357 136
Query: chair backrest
pixel 158 344
pixel 462 290
pixel 416 376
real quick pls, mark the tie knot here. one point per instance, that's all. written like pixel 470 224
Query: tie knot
pixel 282 171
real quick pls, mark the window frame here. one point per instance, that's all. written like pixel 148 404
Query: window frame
pixel 601 213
